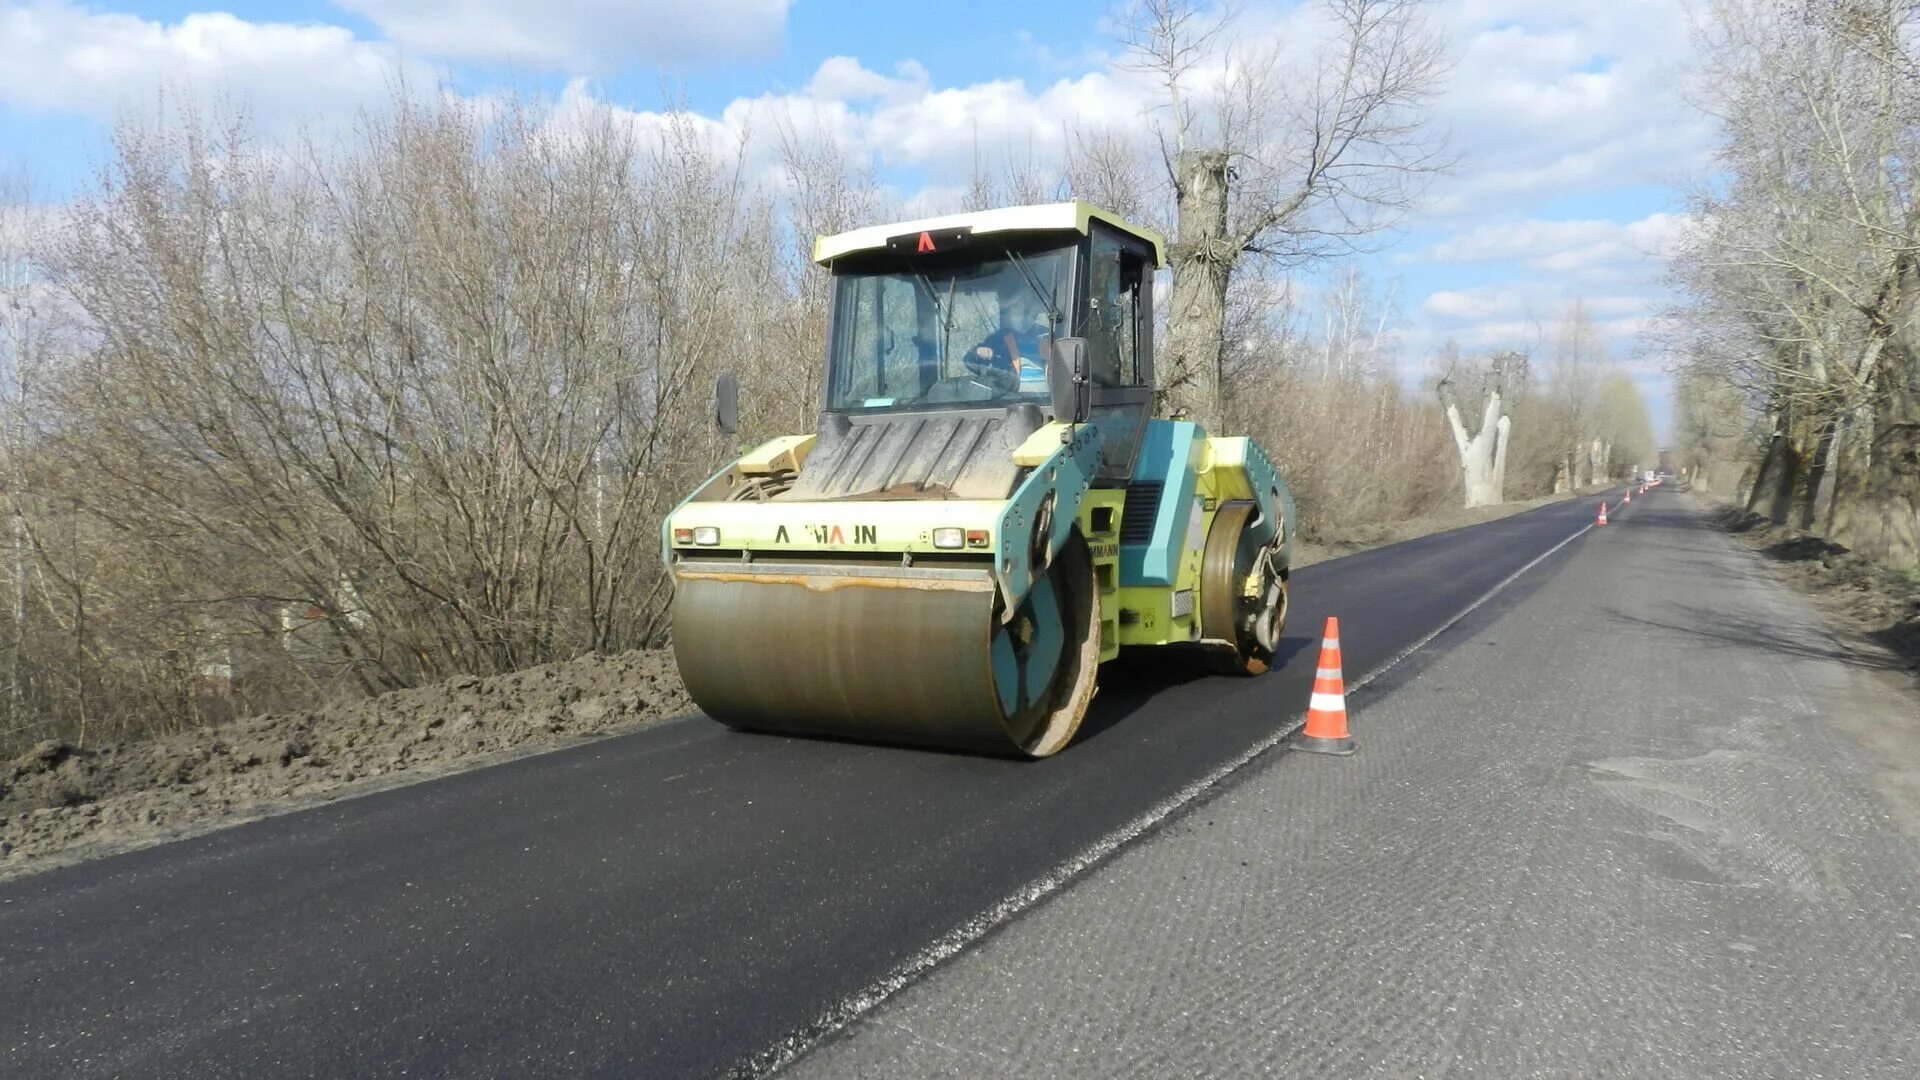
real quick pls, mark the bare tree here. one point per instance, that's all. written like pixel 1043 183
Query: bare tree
pixel 430 391
pixel 1271 163
pixel 1318 386
pixel 1574 386
pixel 826 192
pixel 1623 429
pixel 20 325
pixel 1105 168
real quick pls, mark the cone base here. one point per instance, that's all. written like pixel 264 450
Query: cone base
pixel 1314 744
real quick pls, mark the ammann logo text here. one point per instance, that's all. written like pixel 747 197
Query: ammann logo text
pixel 831 534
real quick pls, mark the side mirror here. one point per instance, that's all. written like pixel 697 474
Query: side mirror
pixel 726 404
pixel 1069 380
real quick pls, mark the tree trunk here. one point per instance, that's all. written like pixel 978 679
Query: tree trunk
pixel 17 670
pixel 1880 513
pixel 1483 454
pixel 1202 257
pixel 1782 478
pixel 1770 463
pixel 1496 491
pixel 1817 472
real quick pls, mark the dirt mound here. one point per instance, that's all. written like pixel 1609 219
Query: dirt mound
pixel 1737 520
pixel 62 800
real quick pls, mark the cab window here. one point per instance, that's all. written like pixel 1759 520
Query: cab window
pixel 1115 277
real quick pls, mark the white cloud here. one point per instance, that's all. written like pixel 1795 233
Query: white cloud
pixel 582 35
pixel 1562 247
pixel 59 58
pixel 842 78
pixel 904 120
pixel 1534 298
pixel 1576 97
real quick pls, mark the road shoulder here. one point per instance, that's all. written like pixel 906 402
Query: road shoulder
pixel 1644 814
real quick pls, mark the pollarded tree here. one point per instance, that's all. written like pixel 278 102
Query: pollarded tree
pixel 1483 450
pixel 1268 161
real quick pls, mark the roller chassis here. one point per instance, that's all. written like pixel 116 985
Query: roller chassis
pixel 1209 586
pixel 948 561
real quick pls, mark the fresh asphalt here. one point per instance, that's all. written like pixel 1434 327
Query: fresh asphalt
pixel 684 900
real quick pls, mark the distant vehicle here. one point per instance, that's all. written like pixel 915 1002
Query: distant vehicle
pixel 1651 476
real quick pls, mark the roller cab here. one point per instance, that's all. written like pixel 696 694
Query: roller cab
pixel 987 511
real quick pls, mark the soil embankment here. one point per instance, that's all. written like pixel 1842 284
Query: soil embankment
pixel 60 803
pixel 1879 602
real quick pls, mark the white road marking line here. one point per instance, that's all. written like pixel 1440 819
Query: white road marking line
pixel 949 944
pixel 1468 610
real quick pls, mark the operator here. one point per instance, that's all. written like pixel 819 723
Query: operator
pixel 1022 341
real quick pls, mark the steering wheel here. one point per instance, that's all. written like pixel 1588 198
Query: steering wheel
pixel 983 368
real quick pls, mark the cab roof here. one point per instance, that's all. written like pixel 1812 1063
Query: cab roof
pixel 1076 215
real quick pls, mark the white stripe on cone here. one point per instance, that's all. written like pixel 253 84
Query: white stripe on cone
pixel 1328 702
pixel 1326 673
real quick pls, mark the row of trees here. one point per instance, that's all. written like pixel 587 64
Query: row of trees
pixel 1799 379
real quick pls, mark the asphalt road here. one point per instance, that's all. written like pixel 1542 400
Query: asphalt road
pixel 684 900
pixel 1647 816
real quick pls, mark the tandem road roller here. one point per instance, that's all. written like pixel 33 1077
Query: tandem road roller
pixel 988 511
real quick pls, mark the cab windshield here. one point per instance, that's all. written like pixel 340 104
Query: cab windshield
pixel 973 327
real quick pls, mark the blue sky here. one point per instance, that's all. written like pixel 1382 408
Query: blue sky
pixel 1574 141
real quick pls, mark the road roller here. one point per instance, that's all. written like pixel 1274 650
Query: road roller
pixel 988 510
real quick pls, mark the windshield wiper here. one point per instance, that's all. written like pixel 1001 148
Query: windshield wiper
pixel 944 311
pixel 1046 298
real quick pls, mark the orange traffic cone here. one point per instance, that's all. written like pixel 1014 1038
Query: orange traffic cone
pixel 1326 728
pixel 1627 498
pixel 1603 515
